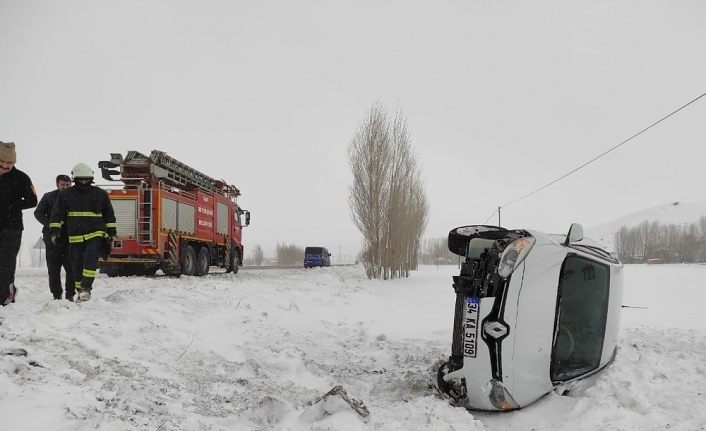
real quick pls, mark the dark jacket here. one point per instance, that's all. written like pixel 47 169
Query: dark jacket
pixel 43 213
pixel 16 194
pixel 85 211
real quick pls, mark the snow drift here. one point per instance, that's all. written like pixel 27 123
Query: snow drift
pixel 258 350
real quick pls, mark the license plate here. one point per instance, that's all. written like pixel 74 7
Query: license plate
pixel 470 327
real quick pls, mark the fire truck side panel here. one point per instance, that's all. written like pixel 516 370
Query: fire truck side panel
pixel 126 216
pixel 176 215
pixel 125 207
pixel 204 217
pixel 168 214
pixel 186 215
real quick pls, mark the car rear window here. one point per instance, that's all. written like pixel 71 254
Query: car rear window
pixel 313 250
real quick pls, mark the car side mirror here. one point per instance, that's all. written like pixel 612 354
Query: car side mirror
pixel 247 218
pixel 575 234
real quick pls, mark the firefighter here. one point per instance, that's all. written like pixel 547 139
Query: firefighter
pixel 89 218
pixel 57 255
pixel 16 193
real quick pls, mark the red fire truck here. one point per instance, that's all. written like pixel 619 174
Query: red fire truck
pixel 171 217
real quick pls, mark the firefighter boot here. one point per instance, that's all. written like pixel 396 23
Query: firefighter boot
pixel 84 295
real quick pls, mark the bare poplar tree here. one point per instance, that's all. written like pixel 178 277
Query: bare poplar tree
pixel 387 200
pixel 255 257
pixel 258 256
pixel 369 157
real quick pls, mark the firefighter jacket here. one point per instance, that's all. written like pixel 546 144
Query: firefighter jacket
pixel 85 211
pixel 16 193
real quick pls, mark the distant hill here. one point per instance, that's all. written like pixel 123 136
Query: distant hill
pixel 675 212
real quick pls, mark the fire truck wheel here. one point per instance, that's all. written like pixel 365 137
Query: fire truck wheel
pixel 203 263
pixel 188 261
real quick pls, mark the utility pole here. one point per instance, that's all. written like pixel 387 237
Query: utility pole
pixel 499 216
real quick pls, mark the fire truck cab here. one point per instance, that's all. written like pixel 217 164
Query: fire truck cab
pixel 171 217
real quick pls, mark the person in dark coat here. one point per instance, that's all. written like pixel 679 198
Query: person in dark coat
pixel 57 255
pixel 88 215
pixel 16 194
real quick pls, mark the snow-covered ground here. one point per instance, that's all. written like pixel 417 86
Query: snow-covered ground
pixel 256 350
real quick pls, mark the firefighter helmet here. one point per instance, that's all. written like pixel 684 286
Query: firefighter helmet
pixel 82 170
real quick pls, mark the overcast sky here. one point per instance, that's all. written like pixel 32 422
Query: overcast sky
pixel 501 97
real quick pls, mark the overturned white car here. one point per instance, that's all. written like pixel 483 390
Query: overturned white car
pixel 533 311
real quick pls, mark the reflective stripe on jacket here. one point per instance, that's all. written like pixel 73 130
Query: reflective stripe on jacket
pixel 86 213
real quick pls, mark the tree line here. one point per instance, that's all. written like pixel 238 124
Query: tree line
pixel 435 251
pixel 667 243
pixel 285 254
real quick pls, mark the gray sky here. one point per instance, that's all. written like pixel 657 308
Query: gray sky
pixel 501 98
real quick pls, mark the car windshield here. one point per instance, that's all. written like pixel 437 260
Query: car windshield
pixel 314 250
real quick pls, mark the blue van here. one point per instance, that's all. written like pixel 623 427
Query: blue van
pixel 316 256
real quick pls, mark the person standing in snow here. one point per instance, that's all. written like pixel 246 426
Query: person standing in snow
pixel 57 255
pixel 86 212
pixel 16 194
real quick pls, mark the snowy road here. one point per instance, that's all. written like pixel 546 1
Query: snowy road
pixel 254 350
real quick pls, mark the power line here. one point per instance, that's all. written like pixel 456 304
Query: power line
pixel 491 216
pixel 600 155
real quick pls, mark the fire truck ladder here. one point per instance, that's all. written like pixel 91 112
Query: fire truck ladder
pixel 144 216
pixel 180 174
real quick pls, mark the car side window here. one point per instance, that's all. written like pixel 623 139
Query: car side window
pixel 582 307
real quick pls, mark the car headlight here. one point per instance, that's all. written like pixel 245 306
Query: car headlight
pixel 513 255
